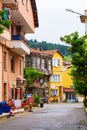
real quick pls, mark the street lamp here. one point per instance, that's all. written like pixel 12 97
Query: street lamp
pixel 83 18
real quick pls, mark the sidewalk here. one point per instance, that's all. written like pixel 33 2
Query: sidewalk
pixel 17 111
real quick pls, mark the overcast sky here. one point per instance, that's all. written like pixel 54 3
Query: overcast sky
pixel 55 22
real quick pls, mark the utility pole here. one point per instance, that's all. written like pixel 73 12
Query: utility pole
pixel 83 17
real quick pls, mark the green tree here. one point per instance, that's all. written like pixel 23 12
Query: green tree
pixel 4 21
pixel 30 74
pixel 79 61
pixel 49 46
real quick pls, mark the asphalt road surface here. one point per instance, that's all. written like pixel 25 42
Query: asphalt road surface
pixel 70 116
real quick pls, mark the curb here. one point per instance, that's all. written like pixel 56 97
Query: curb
pixel 14 112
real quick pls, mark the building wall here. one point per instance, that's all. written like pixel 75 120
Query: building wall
pixel 67 79
pixel 57 85
pixel 8 78
pixel 0 73
pixel 26 11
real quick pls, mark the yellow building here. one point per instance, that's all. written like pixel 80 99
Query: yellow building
pixel 56 79
pixel 68 92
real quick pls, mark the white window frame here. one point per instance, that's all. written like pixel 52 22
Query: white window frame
pixel 54 92
pixel 56 62
pixel 55 78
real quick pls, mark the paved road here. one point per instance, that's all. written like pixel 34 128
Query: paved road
pixel 51 117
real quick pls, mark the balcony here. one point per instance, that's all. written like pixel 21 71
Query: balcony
pixel 19 45
pixel 23 17
pixel 5 36
pixel 10 3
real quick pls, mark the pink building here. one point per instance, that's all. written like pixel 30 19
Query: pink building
pixel 14 47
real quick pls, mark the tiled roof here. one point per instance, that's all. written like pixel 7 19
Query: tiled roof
pixel 35 50
pixel 39 52
pixel 49 52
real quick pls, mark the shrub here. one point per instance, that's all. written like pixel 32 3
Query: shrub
pixel 26 107
pixel 37 99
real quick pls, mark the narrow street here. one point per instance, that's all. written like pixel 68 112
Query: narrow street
pixel 70 116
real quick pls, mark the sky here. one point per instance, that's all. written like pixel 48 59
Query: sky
pixel 55 21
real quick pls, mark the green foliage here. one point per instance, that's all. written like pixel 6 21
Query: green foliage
pixel 1 29
pixel 30 74
pixel 4 21
pixel 67 58
pixel 79 61
pixel 50 46
pixel 37 99
pixel 26 107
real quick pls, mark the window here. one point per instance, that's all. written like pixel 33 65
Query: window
pixel 38 62
pixel 20 66
pixel 5 91
pixel 42 64
pixel 54 92
pixel 12 63
pixel 5 60
pixel 55 62
pixel 33 61
pixel 55 78
pixel 27 61
pixel 27 5
pixel 49 64
pixel 23 2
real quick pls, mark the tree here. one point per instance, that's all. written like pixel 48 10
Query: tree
pixel 30 74
pixel 49 46
pixel 4 21
pixel 79 61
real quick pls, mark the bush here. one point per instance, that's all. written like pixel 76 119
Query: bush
pixel 37 99
pixel 26 107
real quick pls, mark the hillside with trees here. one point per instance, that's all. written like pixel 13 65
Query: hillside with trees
pixel 49 46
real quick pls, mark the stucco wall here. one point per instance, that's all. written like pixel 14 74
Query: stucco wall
pixel 0 73
pixel 67 79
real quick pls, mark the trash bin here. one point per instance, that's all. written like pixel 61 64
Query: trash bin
pixel 1 110
pixel 41 104
pixel 6 109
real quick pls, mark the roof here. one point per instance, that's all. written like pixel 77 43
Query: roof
pixel 51 52
pixel 35 14
pixel 48 52
pixel 37 51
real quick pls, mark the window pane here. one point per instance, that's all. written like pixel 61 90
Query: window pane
pixel 5 60
pixel 12 63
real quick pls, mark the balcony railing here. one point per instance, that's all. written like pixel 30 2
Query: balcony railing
pixel 20 45
pixel 20 37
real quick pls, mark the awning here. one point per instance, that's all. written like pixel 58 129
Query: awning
pixel 35 85
pixel 68 90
